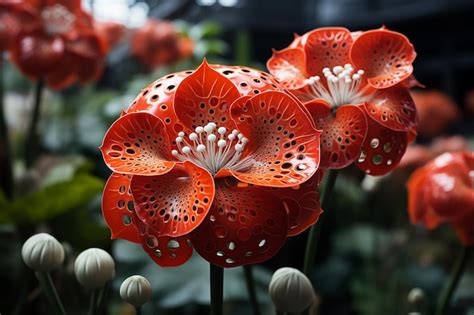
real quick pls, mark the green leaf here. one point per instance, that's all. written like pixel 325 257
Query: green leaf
pixel 205 30
pixel 52 200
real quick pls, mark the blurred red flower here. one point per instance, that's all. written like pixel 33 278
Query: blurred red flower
pixel 14 15
pixel 442 191
pixel 157 43
pixel 61 46
pixel 112 32
pixel 436 112
pixel 355 85
pixel 220 158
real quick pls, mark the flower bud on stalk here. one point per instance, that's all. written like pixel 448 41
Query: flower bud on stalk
pixel 291 291
pixel 136 290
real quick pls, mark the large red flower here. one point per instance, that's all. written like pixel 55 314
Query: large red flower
pixel 61 46
pixel 442 191
pixel 14 15
pixel 221 159
pixel 356 87
pixel 158 43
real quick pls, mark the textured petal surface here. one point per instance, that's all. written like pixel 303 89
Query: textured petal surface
pixel 302 204
pixel 118 208
pixel 166 251
pixel 288 66
pixel 246 225
pixel 385 56
pixel 343 134
pixel 205 96
pixel 326 47
pixel 137 144
pixel 175 203
pixel 382 149
pixel 284 147
pixel 393 108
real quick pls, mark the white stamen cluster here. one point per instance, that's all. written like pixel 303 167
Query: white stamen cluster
pixel 57 19
pixel 343 86
pixel 213 148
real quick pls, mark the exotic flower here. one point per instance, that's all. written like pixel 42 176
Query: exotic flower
pixel 42 252
pixel 94 267
pixel 220 158
pixel 136 290
pixel 158 43
pixel 61 46
pixel 14 16
pixel 355 87
pixel 291 291
pixel 442 191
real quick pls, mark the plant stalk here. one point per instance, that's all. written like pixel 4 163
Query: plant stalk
pixel 47 285
pixel 32 137
pixel 6 170
pixel 250 282
pixel 453 281
pixel 217 289
pixel 94 303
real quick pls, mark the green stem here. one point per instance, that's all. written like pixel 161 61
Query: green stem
pixel 93 306
pixel 6 171
pixel 217 289
pixel 51 294
pixel 315 230
pixel 32 137
pixel 138 310
pixel 250 282
pixel 456 274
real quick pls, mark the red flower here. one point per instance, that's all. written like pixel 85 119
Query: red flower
pixel 442 191
pixel 14 15
pixel 61 46
pixel 220 158
pixel 112 32
pixel 157 43
pixel 355 86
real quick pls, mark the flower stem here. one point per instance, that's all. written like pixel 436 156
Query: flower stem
pixel 94 303
pixel 138 310
pixel 51 294
pixel 217 289
pixel 32 138
pixel 456 274
pixel 250 282
pixel 315 230
pixel 6 171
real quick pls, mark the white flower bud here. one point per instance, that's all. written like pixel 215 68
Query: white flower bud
pixel 291 291
pixel 416 296
pixel 94 267
pixel 42 252
pixel 136 290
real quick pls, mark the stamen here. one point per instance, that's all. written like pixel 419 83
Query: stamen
pixel 57 19
pixel 343 86
pixel 212 148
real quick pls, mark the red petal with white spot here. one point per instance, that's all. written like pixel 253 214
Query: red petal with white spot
pixel 288 66
pixel 246 225
pixel 382 149
pixel 175 203
pixel 343 134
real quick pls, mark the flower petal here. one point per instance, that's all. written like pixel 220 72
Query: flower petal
pixel 205 96
pixel 382 149
pixel 175 203
pixel 137 144
pixel 164 250
pixel 343 134
pixel 326 47
pixel 464 228
pixel 118 208
pixel 302 204
pixel 393 108
pixel 288 66
pixel 246 225
pixel 385 56
pixel 283 146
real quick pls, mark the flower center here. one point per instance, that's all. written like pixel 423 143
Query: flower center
pixel 212 148
pixel 57 19
pixel 343 86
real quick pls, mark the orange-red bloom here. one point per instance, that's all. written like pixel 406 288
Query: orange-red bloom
pixel 220 158
pixel 157 43
pixel 356 87
pixel 61 46
pixel 443 192
pixel 14 15
pixel 112 32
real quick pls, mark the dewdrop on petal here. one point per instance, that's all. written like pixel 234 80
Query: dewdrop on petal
pixel 42 252
pixel 94 267
pixel 291 291
pixel 136 290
